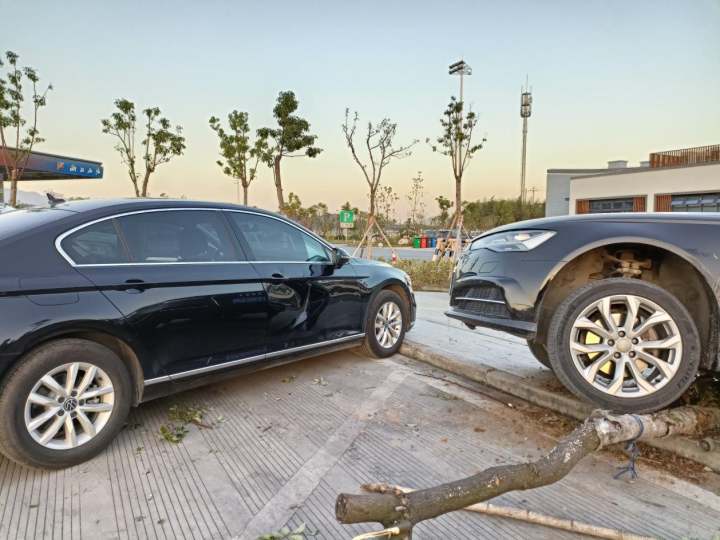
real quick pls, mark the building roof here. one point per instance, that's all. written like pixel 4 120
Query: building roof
pixel 627 170
pixel 42 166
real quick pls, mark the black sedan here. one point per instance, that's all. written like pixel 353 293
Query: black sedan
pixel 624 308
pixel 104 305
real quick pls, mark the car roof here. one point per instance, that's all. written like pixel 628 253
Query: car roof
pixel 129 204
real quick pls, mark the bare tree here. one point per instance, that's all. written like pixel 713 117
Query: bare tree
pixel 160 145
pixel 416 202
pixel 13 120
pixel 377 145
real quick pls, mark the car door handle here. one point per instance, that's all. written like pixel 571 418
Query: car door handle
pixel 278 275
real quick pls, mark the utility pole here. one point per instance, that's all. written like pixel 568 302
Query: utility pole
pixel 532 190
pixel 525 111
pixel 462 69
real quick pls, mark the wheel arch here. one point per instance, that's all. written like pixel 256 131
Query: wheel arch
pixel 695 291
pixel 116 343
pixel 398 287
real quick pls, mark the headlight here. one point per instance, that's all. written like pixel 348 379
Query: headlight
pixel 512 240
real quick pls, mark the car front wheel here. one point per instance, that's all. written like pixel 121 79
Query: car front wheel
pixel 63 403
pixel 385 324
pixel 625 345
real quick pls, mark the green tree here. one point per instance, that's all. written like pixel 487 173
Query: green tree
pixel 456 142
pixel 291 138
pixel 445 205
pixel 241 156
pixel 162 142
pixel 387 201
pixel 18 126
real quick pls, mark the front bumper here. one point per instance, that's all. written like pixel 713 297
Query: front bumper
pixel 498 290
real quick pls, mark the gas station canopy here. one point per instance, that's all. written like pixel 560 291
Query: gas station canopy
pixel 41 166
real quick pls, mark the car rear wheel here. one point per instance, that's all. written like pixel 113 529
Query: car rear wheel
pixel 63 403
pixel 624 344
pixel 539 352
pixel 385 324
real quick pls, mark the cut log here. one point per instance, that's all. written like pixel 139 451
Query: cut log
pixel 602 429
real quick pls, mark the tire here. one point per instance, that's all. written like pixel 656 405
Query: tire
pixel 609 390
pixel 18 443
pixel 540 353
pixel 372 345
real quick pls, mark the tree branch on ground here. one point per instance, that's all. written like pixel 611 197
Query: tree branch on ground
pixel 162 142
pixel 602 429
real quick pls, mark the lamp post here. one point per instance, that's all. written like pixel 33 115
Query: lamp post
pixel 459 68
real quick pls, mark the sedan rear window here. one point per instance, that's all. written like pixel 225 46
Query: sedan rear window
pixel 95 244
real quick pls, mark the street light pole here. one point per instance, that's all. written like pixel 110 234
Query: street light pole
pixel 525 111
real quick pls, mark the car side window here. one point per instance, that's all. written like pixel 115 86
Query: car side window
pixel 95 244
pixel 177 236
pixel 271 239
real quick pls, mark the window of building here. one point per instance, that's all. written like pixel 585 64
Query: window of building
pixel 177 236
pixel 698 202
pixel 270 239
pixel 600 206
pixel 95 244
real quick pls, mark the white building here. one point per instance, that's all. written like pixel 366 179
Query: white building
pixel 676 180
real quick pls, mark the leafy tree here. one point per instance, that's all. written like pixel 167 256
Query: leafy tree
pixel 290 139
pixel 489 213
pixel 241 156
pixel 416 202
pixel 161 143
pixel 445 205
pixel 16 127
pixel 456 142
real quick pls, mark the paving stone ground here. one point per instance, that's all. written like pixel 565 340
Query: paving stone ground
pixel 286 441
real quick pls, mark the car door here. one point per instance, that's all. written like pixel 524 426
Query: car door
pixel 310 300
pixel 193 301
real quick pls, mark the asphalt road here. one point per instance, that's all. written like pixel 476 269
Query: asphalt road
pixel 276 448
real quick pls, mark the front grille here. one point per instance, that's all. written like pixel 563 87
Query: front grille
pixel 485 300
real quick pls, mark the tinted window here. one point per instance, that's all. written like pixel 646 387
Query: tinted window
pixel 177 236
pixel 611 205
pixel 270 239
pixel 95 244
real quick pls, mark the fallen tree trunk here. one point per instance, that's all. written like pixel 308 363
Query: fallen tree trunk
pixel 405 510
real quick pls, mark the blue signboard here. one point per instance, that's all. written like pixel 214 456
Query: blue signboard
pixel 41 166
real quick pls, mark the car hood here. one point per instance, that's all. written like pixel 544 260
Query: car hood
pixel 625 217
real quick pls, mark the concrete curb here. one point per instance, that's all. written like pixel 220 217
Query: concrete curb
pixel 529 391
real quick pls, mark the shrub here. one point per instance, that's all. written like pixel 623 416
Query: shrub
pixel 427 274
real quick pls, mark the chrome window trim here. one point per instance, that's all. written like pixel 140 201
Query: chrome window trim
pixel 64 255
pixel 241 361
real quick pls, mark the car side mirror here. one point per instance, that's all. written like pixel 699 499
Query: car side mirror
pixel 340 257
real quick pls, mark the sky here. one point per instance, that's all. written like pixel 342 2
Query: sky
pixel 610 79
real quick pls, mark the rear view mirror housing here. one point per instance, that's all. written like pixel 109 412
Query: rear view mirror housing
pixel 340 257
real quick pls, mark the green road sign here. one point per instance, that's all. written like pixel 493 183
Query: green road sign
pixel 347 216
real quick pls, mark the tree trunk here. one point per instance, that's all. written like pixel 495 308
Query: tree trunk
pixel 601 429
pixel 13 187
pixel 146 182
pixel 245 194
pixel 278 183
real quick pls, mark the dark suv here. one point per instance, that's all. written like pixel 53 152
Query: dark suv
pixel 622 307
pixel 107 304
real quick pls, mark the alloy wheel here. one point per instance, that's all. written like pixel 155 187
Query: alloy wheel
pixel 69 405
pixel 388 325
pixel 626 346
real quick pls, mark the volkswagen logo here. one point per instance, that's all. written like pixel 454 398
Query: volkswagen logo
pixel 70 404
